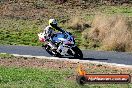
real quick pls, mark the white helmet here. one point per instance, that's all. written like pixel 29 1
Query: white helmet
pixel 52 21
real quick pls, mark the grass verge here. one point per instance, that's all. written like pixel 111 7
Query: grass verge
pixel 20 72
pixel 34 78
pixel 11 77
pixel 5 55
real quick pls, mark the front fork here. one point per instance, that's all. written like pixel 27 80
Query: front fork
pixel 71 51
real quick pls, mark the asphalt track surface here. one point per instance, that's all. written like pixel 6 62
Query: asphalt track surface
pixel 100 56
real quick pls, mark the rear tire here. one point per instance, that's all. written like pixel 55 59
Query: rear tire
pixel 48 49
pixel 55 54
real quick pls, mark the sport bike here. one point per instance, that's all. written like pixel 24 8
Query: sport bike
pixel 65 40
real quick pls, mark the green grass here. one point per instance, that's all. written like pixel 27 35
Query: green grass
pixel 77 36
pixel 19 32
pixel 5 55
pixel 23 32
pixel 34 78
pixel 13 77
pixel 123 10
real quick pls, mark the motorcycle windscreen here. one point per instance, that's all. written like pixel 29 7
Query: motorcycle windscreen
pixel 58 37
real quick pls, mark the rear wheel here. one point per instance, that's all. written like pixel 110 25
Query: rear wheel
pixel 48 49
pixel 78 52
pixel 52 52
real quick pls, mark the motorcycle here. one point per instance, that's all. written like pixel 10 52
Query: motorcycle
pixel 66 40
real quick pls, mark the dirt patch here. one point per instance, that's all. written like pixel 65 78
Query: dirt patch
pixel 36 63
pixel 62 65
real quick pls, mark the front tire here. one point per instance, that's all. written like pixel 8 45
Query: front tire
pixel 78 52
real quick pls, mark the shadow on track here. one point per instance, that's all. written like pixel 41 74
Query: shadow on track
pixel 92 59
pixel 85 58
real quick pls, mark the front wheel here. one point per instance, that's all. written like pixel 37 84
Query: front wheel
pixel 78 52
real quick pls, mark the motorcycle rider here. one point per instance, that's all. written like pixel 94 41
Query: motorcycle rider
pixel 49 33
